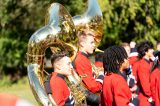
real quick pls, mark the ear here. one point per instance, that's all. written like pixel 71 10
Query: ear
pixel 57 66
pixel 81 44
pixel 145 52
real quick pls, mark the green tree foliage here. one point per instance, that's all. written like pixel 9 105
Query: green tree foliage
pixel 19 19
pixel 124 20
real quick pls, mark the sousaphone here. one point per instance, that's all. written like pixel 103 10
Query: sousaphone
pixel 91 19
pixel 59 33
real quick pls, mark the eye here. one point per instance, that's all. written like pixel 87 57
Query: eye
pixel 92 42
pixel 90 34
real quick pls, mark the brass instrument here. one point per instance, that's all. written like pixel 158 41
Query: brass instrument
pixel 58 33
pixel 92 19
pixel 78 91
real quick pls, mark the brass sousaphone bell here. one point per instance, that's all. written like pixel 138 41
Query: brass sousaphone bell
pixel 58 33
pixel 92 19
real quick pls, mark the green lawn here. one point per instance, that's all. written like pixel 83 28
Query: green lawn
pixel 20 89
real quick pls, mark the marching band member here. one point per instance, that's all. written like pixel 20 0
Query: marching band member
pixel 155 80
pixel 126 46
pixel 60 91
pixel 115 89
pixel 145 52
pixel 131 79
pixel 133 56
pixel 82 63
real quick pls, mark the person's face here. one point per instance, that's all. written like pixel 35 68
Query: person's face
pixel 158 47
pixel 149 53
pixel 89 44
pixel 65 65
pixel 125 64
pixel 127 48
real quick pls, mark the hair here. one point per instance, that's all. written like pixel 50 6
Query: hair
pixel 158 43
pixel 82 36
pixel 113 58
pixel 57 56
pixel 156 61
pixel 143 47
pixel 99 57
pixel 125 44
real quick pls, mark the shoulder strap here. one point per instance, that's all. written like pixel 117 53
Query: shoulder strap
pixel 47 85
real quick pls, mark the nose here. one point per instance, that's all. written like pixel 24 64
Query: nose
pixel 126 60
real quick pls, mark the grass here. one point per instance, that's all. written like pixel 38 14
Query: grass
pixel 20 89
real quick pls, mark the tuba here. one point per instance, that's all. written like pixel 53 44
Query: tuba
pixel 60 34
pixel 92 19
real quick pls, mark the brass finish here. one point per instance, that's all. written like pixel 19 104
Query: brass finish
pixel 92 19
pixel 58 33
pixel 77 90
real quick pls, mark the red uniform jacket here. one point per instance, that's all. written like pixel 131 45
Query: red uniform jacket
pixel 157 101
pixel 133 60
pixel 135 69
pixel 155 86
pixel 115 91
pixel 83 67
pixel 60 91
pixel 133 56
pixel 144 81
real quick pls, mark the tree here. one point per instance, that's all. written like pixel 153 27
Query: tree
pixel 19 19
pixel 124 20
